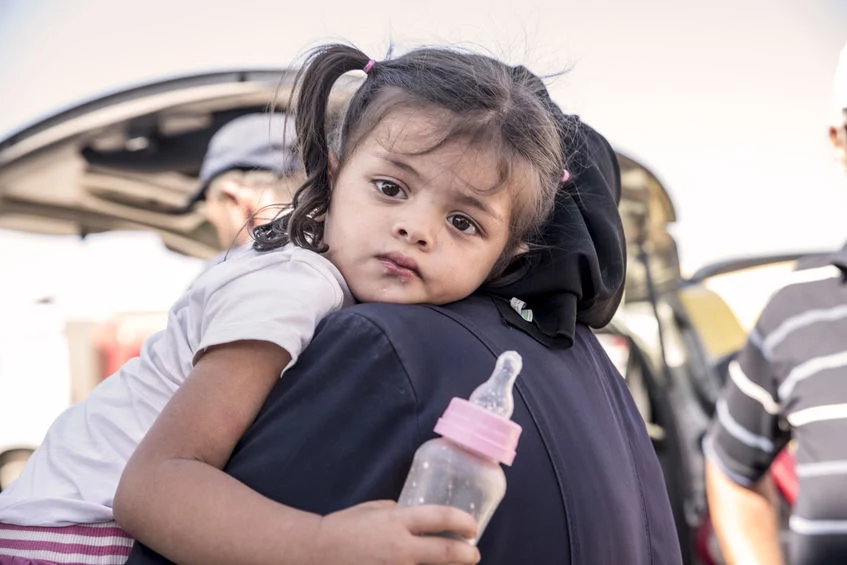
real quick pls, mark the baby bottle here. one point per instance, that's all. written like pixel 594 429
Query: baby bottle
pixel 462 468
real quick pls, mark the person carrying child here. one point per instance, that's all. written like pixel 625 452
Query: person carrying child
pixel 344 424
pixel 446 166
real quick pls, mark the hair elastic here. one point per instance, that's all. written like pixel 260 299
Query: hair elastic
pixel 369 66
pixel 565 175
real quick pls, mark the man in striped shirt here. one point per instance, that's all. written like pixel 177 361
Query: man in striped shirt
pixel 789 382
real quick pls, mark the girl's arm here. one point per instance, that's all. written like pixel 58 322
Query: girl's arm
pixel 174 497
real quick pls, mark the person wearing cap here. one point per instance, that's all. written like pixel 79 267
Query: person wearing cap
pixel 249 171
pixel 789 382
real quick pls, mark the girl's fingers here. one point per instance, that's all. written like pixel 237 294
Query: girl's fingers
pixel 436 519
pixel 436 550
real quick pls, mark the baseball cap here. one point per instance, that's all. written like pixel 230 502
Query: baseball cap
pixel 840 82
pixel 250 142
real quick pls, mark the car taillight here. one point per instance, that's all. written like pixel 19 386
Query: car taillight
pixel 120 338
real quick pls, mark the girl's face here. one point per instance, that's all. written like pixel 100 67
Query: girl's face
pixel 419 228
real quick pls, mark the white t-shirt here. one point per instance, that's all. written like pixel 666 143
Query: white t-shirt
pixel 277 296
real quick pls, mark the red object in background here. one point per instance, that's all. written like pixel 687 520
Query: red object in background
pixel 121 337
pixel 784 473
pixel 706 543
pixel 114 348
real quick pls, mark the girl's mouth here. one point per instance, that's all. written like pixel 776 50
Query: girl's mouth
pixel 399 265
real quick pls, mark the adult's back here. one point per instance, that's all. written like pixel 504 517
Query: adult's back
pixel 343 425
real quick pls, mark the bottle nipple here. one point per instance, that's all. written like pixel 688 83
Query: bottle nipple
pixel 495 394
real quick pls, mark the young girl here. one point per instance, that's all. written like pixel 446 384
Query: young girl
pixel 444 166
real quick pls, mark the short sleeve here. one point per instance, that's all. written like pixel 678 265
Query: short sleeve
pixel 278 296
pixel 746 433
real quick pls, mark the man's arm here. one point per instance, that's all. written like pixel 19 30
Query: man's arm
pixel 746 520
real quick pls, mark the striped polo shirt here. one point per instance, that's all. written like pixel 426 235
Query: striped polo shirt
pixel 790 382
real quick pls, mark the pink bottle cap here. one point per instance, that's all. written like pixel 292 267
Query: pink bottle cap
pixel 479 430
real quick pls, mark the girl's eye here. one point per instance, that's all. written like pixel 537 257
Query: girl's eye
pixel 463 224
pixel 389 188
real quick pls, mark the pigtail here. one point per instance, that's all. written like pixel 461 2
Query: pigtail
pixel 303 226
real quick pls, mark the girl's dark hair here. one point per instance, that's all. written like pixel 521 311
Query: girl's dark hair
pixel 486 101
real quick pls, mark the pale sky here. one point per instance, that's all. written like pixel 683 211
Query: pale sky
pixel 727 101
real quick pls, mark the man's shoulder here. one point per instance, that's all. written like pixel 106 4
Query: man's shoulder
pixel 814 285
pixel 388 316
pixel 421 338
pixel 474 322
pixel 469 318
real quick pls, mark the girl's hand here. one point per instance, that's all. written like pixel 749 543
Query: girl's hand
pixel 383 533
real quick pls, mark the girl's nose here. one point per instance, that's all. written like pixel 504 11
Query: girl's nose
pixel 415 232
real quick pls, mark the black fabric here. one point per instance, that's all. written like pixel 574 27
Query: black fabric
pixel 343 425
pixel 578 274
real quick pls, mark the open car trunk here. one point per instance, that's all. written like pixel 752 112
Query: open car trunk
pixel 129 160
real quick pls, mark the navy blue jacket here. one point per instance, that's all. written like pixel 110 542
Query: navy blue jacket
pixel 343 424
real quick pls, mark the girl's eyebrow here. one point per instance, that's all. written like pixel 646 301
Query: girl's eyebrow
pixel 401 164
pixel 479 204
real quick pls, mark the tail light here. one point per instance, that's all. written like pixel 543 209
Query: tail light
pixel 120 338
pixel 706 544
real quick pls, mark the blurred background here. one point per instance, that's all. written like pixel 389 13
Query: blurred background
pixel 726 102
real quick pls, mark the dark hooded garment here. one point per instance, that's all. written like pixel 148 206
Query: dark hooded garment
pixel 578 274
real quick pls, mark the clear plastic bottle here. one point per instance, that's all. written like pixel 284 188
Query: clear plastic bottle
pixel 462 468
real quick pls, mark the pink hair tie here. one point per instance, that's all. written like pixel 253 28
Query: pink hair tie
pixel 565 175
pixel 369 66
